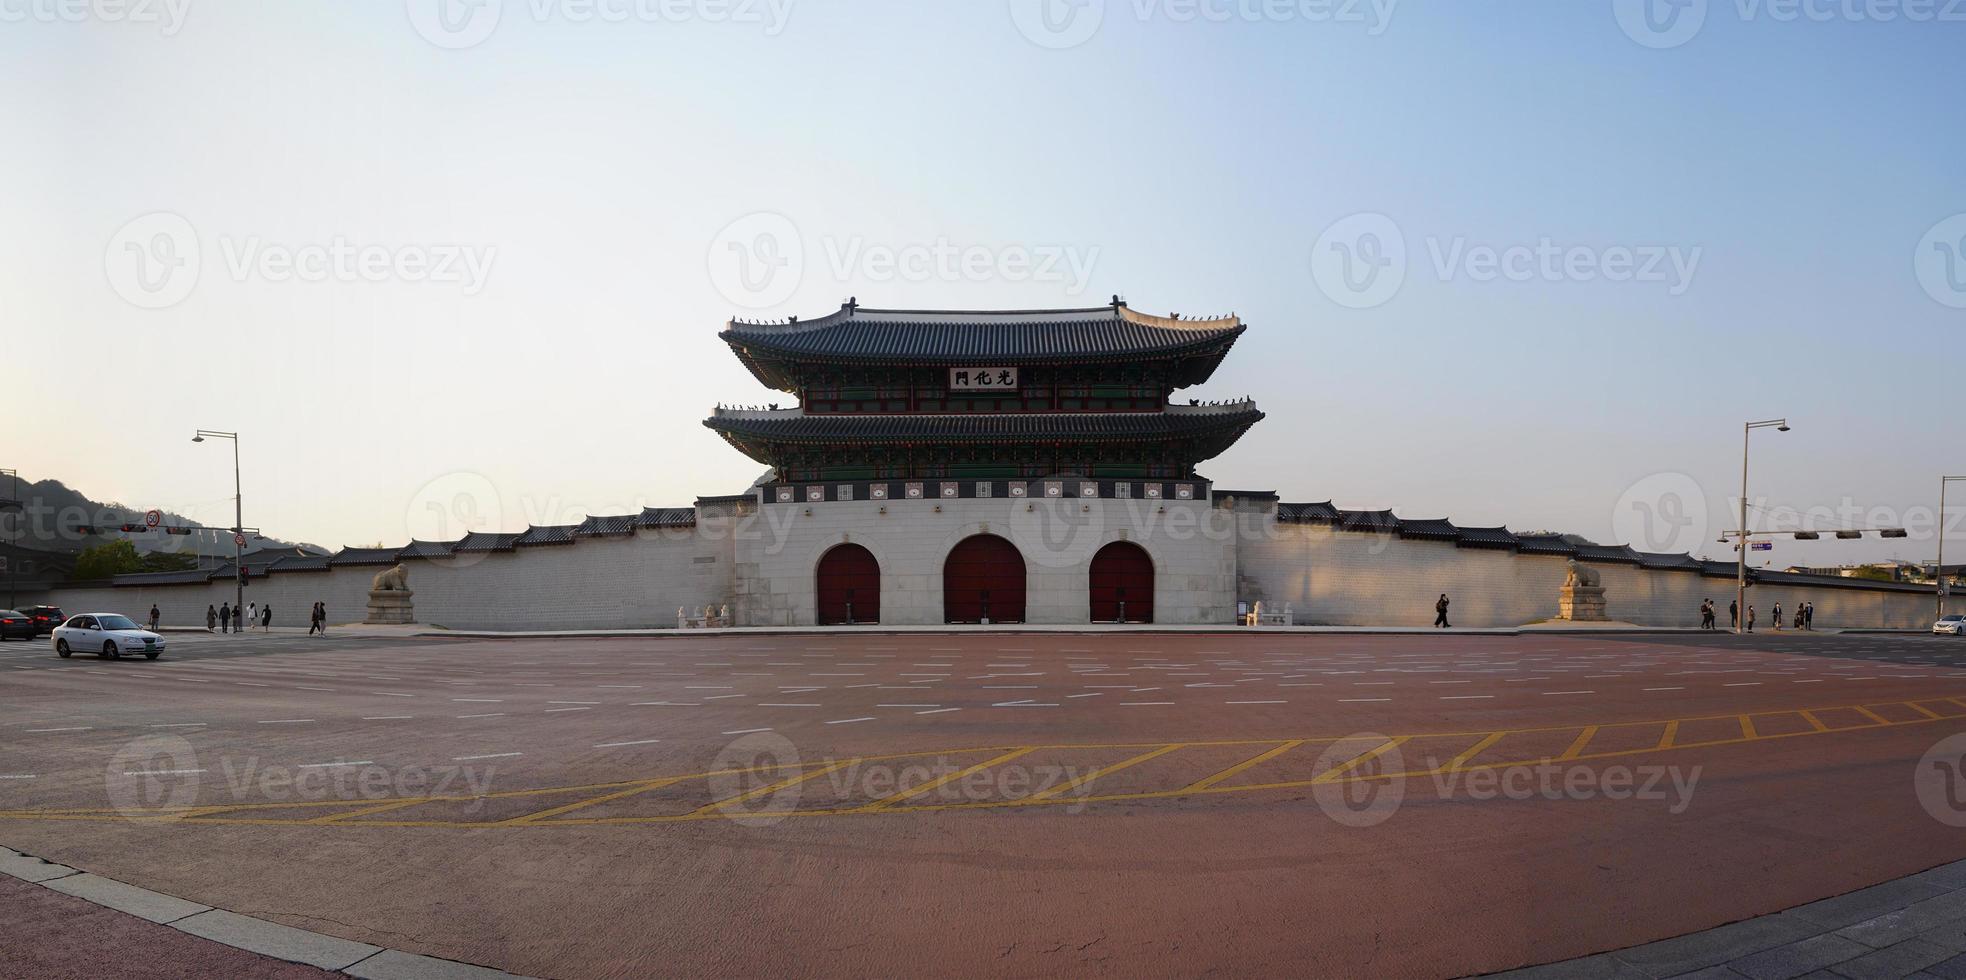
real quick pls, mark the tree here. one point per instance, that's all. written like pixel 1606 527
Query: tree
pixel 100 561
pixel 169 561
pixel 1873 573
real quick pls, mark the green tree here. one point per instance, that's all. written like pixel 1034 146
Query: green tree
pixel 169 561
pixel 1873 573
pixel 100 561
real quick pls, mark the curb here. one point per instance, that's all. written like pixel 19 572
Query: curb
pixel 240 931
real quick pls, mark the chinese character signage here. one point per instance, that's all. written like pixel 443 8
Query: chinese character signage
pixel 983 379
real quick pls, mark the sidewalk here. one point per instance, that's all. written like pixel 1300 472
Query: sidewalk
pixel 1534 629
pixel 1914 926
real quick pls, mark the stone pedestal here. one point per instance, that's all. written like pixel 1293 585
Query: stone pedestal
pixel 390 608
pixel 1581 604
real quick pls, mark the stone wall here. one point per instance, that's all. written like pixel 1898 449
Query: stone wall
pixel 1339 578
pixel 763 561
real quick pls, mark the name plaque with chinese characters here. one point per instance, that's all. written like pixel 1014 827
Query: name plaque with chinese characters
pixel 983 379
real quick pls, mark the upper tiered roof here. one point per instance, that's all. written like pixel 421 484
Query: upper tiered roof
pixel 944 338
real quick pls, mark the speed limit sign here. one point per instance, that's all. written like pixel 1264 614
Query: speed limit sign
pixel 153 518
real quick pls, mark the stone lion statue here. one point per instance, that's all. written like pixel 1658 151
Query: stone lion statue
pixel 395 579
pixel 1581 575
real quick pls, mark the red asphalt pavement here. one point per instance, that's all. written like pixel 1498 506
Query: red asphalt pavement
pixel 1170 867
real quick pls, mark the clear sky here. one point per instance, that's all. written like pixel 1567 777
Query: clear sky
pixel 1746 208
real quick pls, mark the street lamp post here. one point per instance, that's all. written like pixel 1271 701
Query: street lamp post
pixel 1940 577
pixel 238 520
pixel 13 574
pixel 1741 565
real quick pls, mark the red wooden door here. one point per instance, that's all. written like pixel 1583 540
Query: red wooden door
pixel 1122 573
pixel 849 586
pixel 983 577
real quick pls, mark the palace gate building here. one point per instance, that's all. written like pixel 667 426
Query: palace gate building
pixel 1039 466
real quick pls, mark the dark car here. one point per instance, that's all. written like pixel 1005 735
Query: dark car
pixel 14 624
pixel 44 618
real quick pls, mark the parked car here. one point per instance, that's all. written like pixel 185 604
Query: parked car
pixel 108 635
pixel 14 623
pixel 45 618
pixel 1953 623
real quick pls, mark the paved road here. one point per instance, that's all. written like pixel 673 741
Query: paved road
pixel 999 804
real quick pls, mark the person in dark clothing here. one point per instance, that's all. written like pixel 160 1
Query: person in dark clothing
pixel 211 619
pixel 1750 618
pixel 1440 611
pixel 314 619
pixel 1734 615
pixel 1809 615
pixel 154 616
pixel 1778 616
pixel 225 618
pixel 266 618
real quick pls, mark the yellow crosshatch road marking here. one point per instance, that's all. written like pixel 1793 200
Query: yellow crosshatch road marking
pixel 1242 767
pixel 1162 761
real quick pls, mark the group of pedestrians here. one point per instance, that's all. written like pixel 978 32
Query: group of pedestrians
pixel 225 619
pixel 1805 615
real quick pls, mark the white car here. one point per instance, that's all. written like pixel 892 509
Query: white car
pixel 1953 623
pixel 107 635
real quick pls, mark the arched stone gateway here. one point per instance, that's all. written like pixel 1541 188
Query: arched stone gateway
pixel 1122 584
pixel 849 585
pixel 983 579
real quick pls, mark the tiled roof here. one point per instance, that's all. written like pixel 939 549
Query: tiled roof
pixel 1544 544
pixel 1488 537
pixel 794 425
pixel 426 549
pixel 607 527
pixel 1367 520
pixel 1680 562
pixel 1431 530
pixel 1262 496
pixel 856 334
pixel 670 516
pixel 553 534
pixel 301 563
pixel 366 556
pixel 1618 554
pixel 482 541
pixel 748 496
pixel 1320 513
pixel 188 577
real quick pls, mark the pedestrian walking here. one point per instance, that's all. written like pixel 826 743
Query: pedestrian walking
pixel 1750 617
pixel 1778 617
pixel 154 617
pixel 225 617
pixel 1706 614
pixel 266 618
pixel 211 619
pixel 1440 611
pixel 1809 615
pixel 314 619
pixel 1798 617
pixel 323 607
pixel 252 616
pixel 1734 615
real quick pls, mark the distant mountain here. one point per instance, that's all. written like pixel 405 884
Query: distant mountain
pixel 50 511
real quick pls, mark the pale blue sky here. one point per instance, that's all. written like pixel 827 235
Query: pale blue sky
pixel 1190 165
